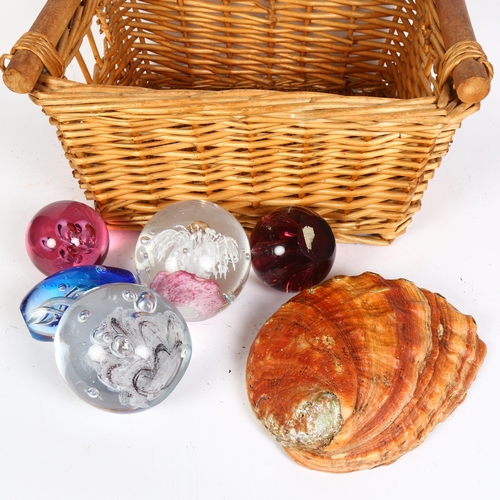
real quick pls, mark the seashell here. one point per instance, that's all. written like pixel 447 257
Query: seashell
pixel 355 372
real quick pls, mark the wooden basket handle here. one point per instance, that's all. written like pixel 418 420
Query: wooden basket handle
pixel 470 76
pixel 25 66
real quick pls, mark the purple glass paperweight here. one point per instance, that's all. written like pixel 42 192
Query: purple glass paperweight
pixel 66 234
pixel 196 255
pixel 292 249
pixel 122 347
pixel 45 304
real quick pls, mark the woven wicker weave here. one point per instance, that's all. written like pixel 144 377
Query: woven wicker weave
pixel 346 107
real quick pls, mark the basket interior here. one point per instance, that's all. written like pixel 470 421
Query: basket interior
pixel 347 47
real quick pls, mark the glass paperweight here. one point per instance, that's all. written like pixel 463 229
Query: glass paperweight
pixel 196 255
pixel 292 248
pixel 65 234
pixel 122 347
pixel 44 306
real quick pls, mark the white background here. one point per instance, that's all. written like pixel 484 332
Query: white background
pixel 203 441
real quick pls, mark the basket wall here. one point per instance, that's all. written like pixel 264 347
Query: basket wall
pixel 332 105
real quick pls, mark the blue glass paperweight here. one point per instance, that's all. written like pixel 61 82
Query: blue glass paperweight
pixel 44 306
pixel 122 347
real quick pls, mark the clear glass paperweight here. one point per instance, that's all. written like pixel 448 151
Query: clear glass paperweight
pixel 122 347
pixel 196 255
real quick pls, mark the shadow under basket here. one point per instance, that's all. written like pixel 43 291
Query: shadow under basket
pixel 345 107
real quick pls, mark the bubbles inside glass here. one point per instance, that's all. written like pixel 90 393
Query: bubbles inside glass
pixel 122 347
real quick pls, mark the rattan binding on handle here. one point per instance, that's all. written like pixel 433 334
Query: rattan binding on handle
pixel 471 87
pixel 36 49
pixel 471 72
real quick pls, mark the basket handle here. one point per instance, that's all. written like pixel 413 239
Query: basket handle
pixel 471 78
pixel 26 66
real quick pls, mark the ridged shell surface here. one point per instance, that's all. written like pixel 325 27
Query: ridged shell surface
pixel 355 372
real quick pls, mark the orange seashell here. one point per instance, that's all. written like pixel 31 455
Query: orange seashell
pixel 355 372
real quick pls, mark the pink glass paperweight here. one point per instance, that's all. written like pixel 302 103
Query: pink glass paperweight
pixel 196 255
pixel 292 248
pixel 66 234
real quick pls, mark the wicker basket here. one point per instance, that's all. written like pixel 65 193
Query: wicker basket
pixel 343 106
